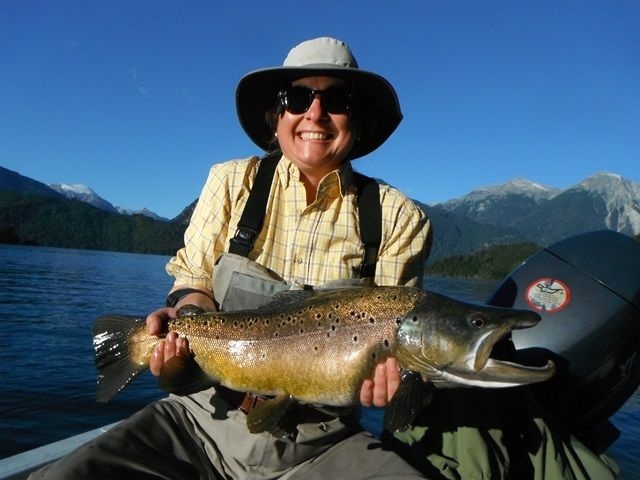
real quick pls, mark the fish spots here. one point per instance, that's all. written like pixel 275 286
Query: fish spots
pixel 372 320
pixel 291 320
pixel 357 315
pixel 355 339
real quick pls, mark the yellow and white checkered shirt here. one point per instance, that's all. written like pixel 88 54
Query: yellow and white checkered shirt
pixel 304 244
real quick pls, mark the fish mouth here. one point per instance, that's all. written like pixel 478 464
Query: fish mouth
pixel 499 373
pixel 480 369
pixel 481 351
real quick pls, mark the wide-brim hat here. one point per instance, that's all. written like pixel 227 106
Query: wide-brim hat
pixel 257 92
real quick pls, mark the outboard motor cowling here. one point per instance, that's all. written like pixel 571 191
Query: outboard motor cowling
pixel 587 291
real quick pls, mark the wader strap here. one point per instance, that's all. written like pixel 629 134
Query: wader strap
pixel 252 217
pixel 370 224
pixel 369 214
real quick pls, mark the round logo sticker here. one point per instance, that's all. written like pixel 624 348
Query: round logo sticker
pixel 548 294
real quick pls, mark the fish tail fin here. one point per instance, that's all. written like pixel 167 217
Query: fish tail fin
pixel 112 339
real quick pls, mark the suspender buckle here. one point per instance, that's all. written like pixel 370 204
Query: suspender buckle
pixel 244 236
pixel 243 240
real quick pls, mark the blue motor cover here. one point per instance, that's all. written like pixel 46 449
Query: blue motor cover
pixel 587 291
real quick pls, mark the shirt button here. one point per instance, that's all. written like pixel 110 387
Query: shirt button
pixel 299 260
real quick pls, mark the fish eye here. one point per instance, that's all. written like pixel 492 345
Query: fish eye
pixel 478 321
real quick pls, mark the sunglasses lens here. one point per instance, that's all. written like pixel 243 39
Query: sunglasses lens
pixel 336 100
pixel 297 100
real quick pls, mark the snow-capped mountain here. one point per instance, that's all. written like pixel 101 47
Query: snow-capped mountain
pixel 145 211
pixel 85 194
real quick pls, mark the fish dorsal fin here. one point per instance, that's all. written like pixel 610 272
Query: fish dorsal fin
pixel 412 395
pixel 190 310
pixel 266 416
pixel 183 377
pixel 288 297
pixel 295 295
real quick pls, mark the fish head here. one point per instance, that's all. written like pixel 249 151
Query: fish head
pixel 450 343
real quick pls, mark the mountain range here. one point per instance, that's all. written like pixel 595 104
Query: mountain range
pixel 83 193
pixel 517 211
pixel 544 214
pixel 13 181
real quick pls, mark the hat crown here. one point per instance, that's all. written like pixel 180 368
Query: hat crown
pixel 321 51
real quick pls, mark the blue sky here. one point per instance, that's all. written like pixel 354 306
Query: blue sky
pixel 135 98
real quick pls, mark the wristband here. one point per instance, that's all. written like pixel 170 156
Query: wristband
pixel 174 297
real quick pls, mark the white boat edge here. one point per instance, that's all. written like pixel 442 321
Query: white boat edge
pixel 19 466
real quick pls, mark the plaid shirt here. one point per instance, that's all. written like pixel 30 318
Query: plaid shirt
pixel 304 244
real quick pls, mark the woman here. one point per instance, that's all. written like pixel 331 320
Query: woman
pixel 313 115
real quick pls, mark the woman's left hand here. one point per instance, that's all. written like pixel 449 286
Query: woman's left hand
pixel 379 390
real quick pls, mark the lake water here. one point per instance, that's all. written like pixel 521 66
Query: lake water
pixel 49 298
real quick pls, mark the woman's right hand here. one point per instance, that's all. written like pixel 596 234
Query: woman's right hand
pixel 170 346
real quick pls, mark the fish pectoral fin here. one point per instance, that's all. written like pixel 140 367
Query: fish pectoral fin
pixel 412 395
pixel 183 376
pixel 266 417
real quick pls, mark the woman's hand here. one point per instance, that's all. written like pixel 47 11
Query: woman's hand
pixel 379 390
pixel 171 346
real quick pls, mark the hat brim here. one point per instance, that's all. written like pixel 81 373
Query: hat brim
pixel 256 94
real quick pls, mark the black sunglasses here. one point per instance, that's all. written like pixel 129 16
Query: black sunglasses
pixel 297 100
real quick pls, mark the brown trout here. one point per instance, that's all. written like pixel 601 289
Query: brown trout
pixel 317 347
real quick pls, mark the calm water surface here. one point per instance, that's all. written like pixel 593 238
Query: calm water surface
pixel 49 299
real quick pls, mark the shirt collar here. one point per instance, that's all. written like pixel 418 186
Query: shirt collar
pixel 337 180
